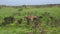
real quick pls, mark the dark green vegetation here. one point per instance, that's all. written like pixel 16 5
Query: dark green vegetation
pixel 50 23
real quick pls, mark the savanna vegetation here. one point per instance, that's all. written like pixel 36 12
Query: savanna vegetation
pixel 22 20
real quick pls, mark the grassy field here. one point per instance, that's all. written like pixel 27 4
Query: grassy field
pixel 21 12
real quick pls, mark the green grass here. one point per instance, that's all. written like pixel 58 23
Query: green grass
pixel 22 28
